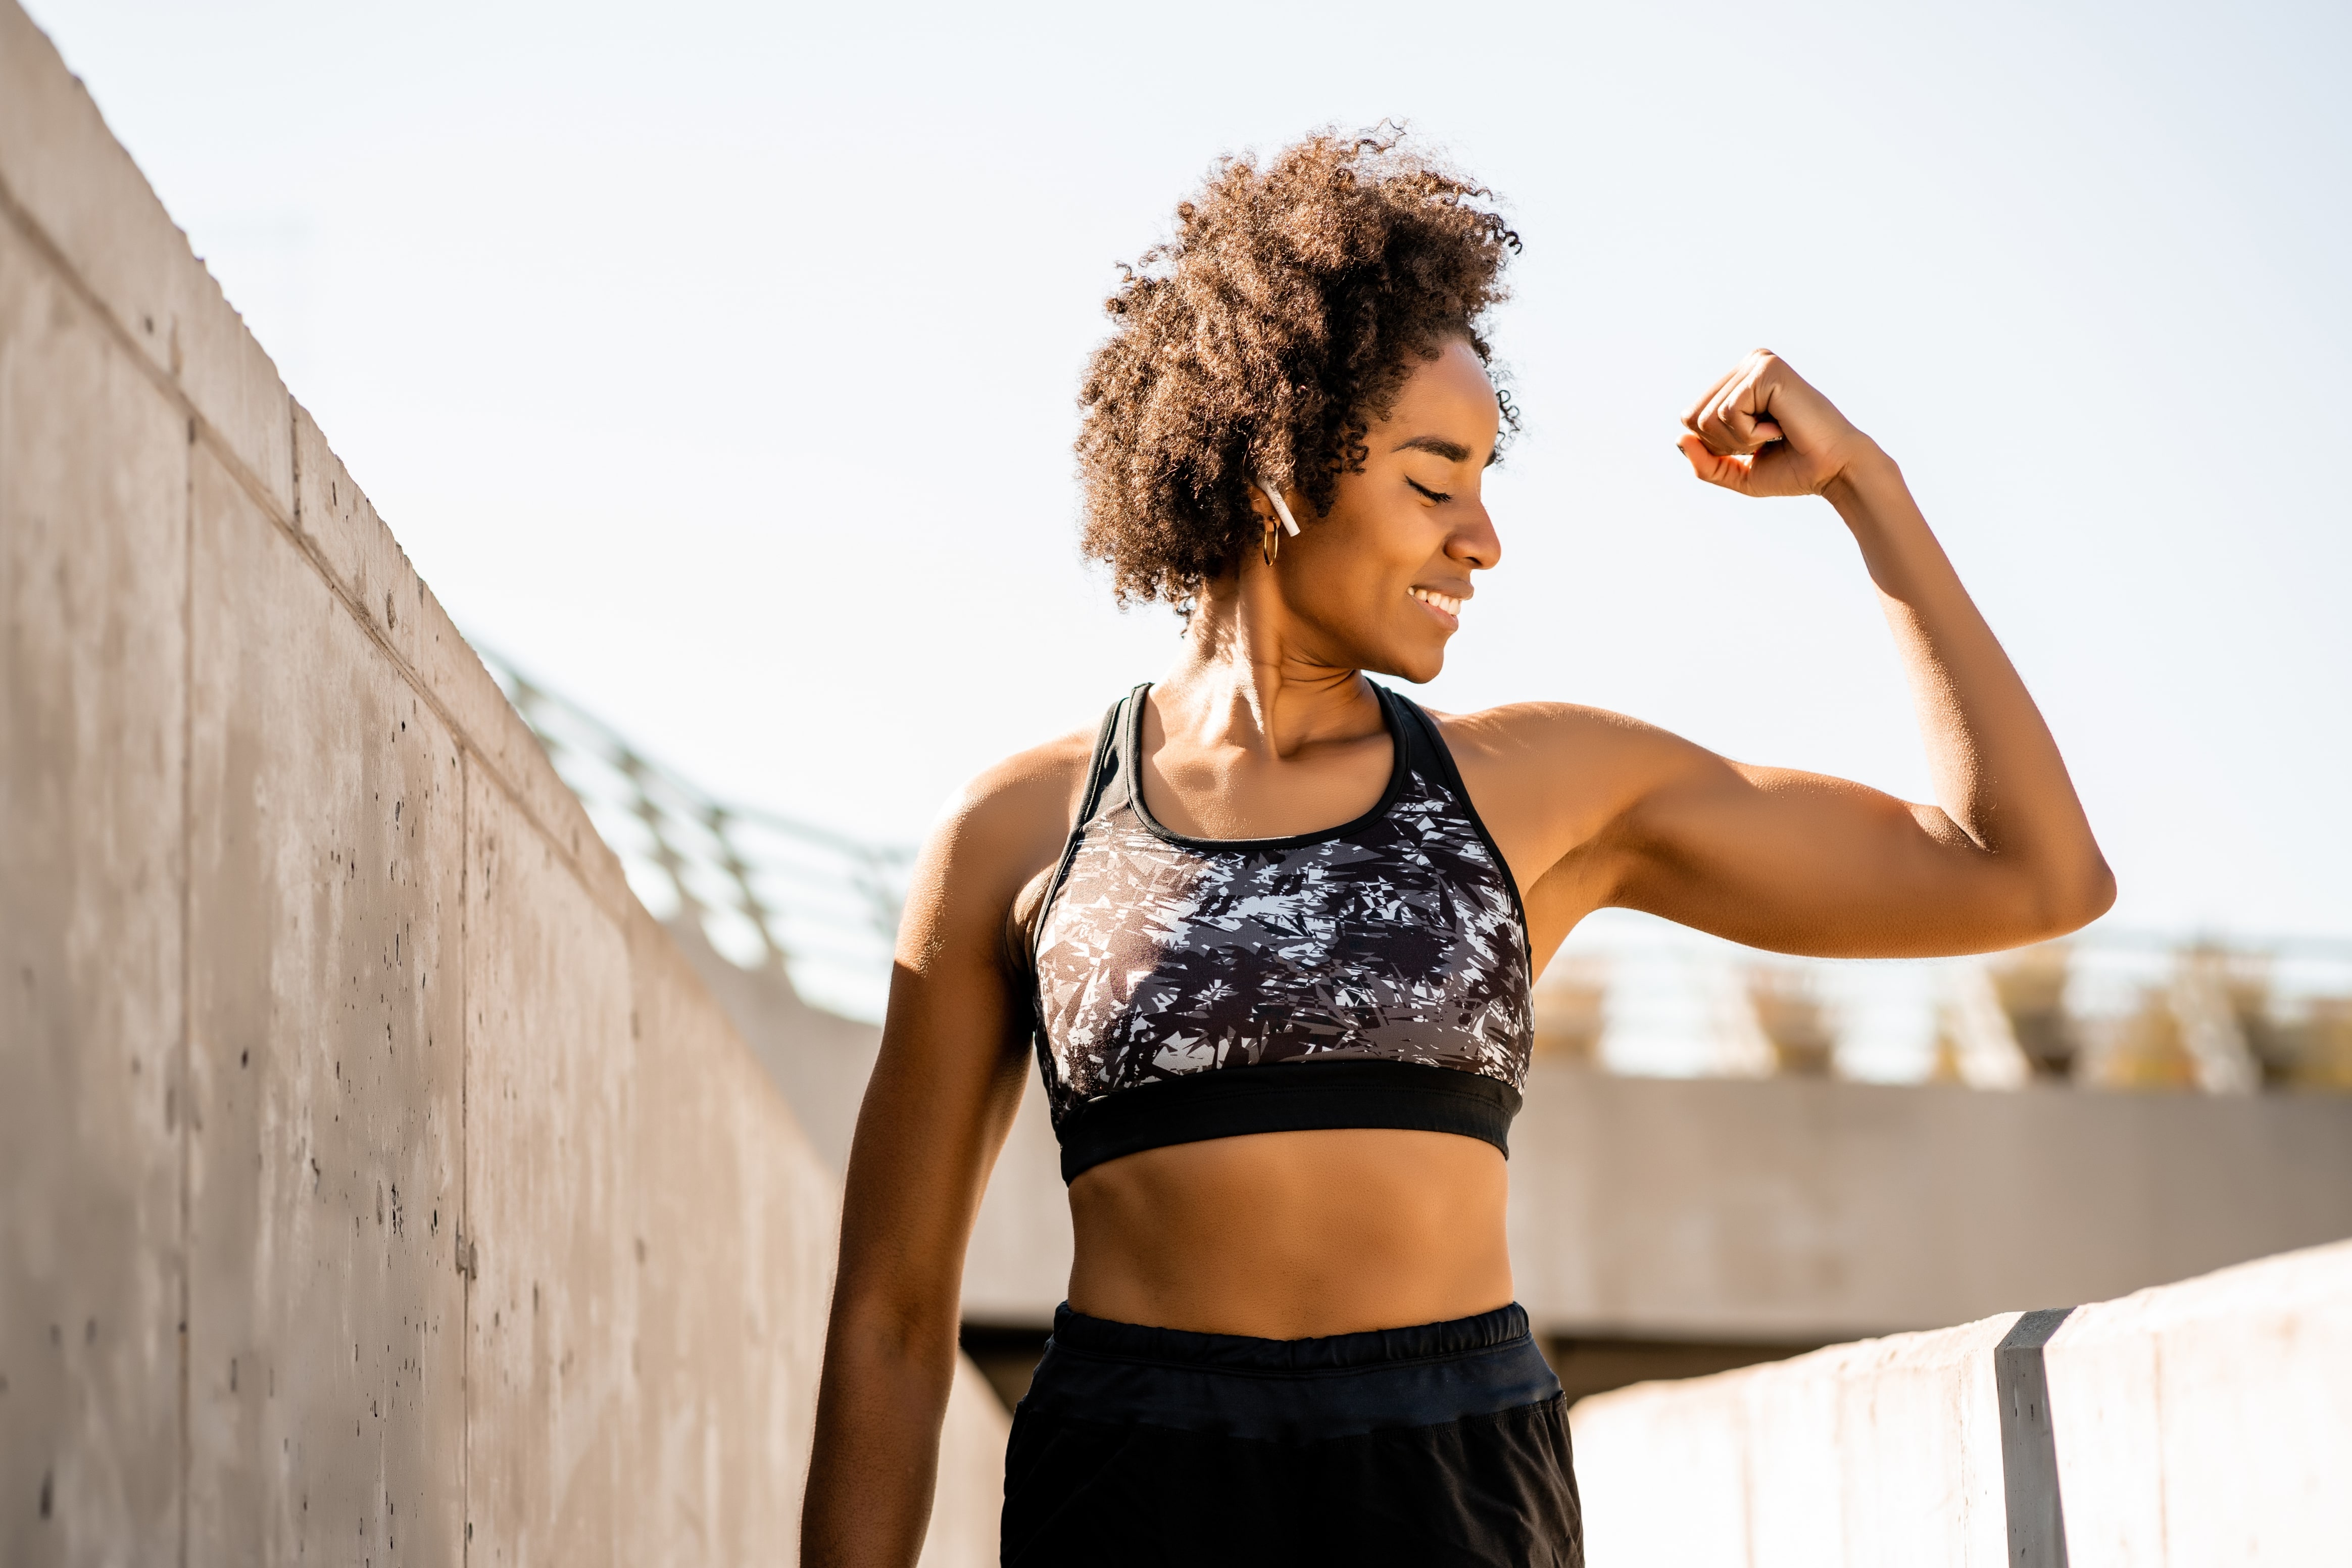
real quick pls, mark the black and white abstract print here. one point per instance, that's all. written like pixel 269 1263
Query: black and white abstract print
pixel 1397 941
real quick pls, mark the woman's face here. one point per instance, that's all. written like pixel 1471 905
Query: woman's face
pixel 1379 583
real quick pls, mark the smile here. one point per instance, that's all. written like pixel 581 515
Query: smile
pixel 1445 604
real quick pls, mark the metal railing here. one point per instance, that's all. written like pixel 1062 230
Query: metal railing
pixel 769 891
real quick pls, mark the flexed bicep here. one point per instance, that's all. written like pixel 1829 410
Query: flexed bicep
pixel 1805 862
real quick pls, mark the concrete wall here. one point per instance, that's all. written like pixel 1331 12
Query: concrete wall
pixel 1800 1210
pixel 2199 1424
pixel 377 1182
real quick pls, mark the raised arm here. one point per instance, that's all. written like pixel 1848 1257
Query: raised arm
pixel 936 1112
pixel 1802 862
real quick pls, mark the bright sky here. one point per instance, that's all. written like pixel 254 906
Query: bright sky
pixel 716 362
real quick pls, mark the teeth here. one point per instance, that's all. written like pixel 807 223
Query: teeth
pixel 1446 602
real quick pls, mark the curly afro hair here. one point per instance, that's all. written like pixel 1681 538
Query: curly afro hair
pixel 1265 339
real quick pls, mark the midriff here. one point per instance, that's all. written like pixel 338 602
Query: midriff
pixel 1293 1235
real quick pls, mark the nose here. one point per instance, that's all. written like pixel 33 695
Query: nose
pixel 1475 543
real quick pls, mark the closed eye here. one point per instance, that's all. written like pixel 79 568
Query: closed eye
pixel 1433 495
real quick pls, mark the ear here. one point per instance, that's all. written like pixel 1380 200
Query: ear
pixel 1274 509
pixel 1261 508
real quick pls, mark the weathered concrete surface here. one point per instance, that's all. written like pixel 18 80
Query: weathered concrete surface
pixel 821 1060
pixel 1018 1264
pixel 2210 1422
pixel 1882 1452
pixel 326 1350
pixel 377 1182
pixel 92 213
pixel 2199 1423
pixel 93 705
pixel 549 1123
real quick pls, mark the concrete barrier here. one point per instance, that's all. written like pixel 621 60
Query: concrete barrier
pixel 1806 1210
pixel 2204 1422
pixel 2210 1422
pixel 377 1182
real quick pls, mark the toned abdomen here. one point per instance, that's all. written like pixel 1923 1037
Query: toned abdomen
pixel 1292 1235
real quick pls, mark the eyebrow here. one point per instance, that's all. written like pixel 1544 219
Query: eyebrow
pixel 1436 445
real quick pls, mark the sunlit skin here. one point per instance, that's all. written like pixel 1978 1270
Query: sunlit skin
pixel 1267 727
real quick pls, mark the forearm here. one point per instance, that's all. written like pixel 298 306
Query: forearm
pixel 1997 771
pixel 913 1189
pixel 880 1405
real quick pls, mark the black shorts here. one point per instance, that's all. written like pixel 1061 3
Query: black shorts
pixel 1442 1445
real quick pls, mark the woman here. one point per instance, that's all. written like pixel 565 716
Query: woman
pixel 1273 928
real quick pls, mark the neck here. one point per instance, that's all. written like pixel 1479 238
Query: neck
pixel 1248 677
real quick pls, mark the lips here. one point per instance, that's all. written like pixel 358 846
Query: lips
pixel 1445 605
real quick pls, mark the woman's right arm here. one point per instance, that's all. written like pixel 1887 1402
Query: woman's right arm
pixel 937 1110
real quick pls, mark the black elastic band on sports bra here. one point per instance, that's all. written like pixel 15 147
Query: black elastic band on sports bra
pixel 1311 1095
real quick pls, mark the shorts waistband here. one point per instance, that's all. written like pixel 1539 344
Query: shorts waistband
pixel 1340 1385
pixel 1330 1352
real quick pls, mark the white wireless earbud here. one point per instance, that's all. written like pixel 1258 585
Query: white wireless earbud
pixel 1289 523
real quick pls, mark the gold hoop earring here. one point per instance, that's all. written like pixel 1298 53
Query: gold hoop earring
pixel 1271 545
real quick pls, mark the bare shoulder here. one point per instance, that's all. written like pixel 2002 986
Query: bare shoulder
pixel 997 835
pixel 1029 797
pixel 1553 737
pixel 1553 780
pixel 1054 770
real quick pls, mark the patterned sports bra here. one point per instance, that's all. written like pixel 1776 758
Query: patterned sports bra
pixel 1372 975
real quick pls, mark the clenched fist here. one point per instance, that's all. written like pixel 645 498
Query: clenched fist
pixel 1763 430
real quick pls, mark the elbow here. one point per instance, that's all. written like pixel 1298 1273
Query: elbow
pixel 2073 898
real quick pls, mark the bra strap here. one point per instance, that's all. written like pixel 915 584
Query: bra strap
pixel 1102 771
pixel 1109 761
pixel 1429 742
pixel 1416 735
